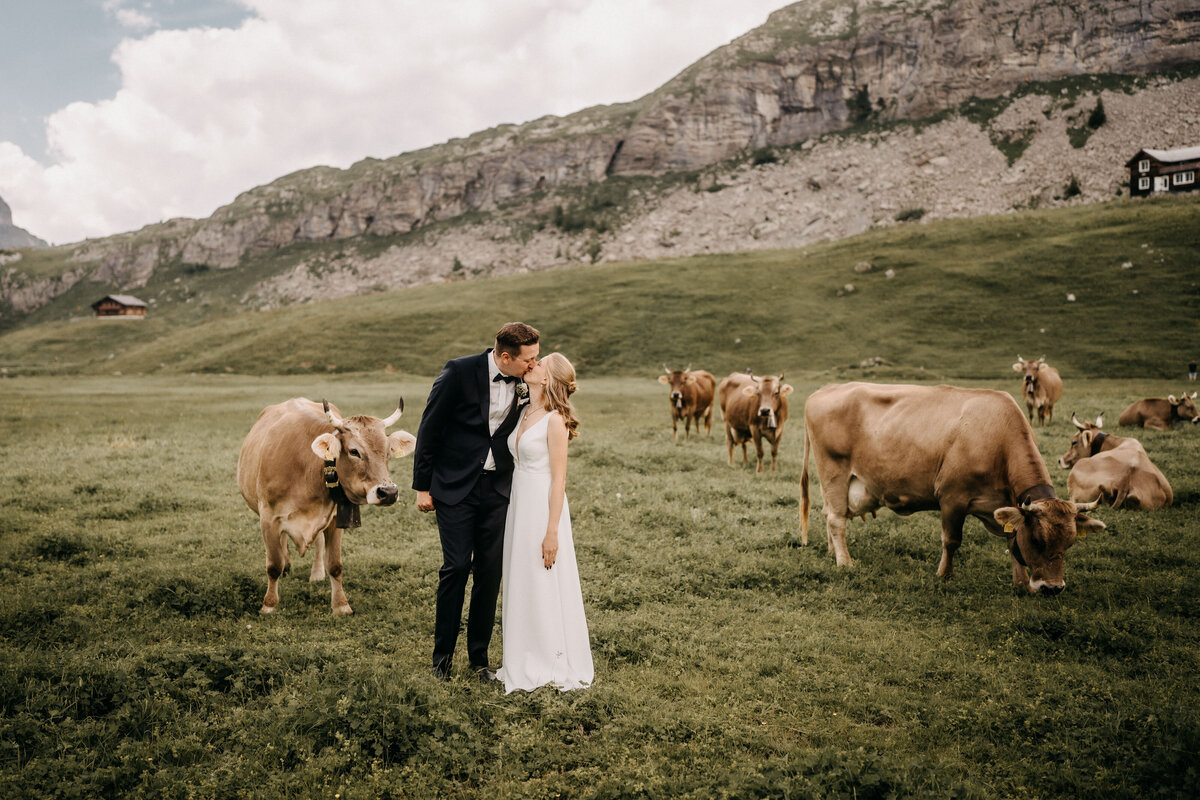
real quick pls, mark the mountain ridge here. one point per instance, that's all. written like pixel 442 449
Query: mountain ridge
pixel 497 201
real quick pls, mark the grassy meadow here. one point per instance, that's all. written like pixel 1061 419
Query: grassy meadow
pixel 729 663
pixel 133 662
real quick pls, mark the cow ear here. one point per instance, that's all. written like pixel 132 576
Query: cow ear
pixel 691 379
pixel 663 379
pixel 786 389
pixel 1085 438
pixel 327 446
pixel 402 443
pixel 1009 517
pixel 1018 367
pixel 750 391
pixel 1171 399
pixel 1085 525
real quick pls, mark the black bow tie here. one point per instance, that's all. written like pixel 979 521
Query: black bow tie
pixel 505 378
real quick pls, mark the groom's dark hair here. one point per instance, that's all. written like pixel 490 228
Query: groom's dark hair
pixel 513 336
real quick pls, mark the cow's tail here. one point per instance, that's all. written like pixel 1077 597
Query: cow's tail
pixel 804 493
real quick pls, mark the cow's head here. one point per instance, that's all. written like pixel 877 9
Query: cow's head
pixel 677 380
pixel 1029 370
pixel 1039 535
pixel 771 393
pixel 1081 444
pixel 360 448
pixel 1184 407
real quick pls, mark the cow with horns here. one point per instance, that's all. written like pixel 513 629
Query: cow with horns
pixel 1113 469
pixel 305 470
pixel 754 408
pixel 691 396
pixel 1160 414
pixel 1041 387
pixel 964 452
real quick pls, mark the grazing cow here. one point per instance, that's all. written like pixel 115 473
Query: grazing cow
pixel 1112 469
pixel 691 399
pixel 939 448
pixel 1041 387
pixel 754 408
pixel 282 479
pixel 1160 414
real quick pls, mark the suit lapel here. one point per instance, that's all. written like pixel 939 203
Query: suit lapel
pixel 510 418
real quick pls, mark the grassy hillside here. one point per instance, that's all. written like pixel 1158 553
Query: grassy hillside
pixel 967 296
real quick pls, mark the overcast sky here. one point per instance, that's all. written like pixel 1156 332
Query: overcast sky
pixel 115 114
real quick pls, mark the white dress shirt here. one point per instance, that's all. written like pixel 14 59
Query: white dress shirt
pixel 500 397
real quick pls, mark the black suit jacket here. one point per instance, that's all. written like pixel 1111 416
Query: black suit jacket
pixel 453 439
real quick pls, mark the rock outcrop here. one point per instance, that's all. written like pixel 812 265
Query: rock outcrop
pixel 11 235
pixel 818 66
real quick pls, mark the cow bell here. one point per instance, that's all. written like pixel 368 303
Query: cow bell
pixel 330 473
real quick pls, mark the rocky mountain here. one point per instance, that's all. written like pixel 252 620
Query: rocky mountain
pixel 833 117
pixel 11 235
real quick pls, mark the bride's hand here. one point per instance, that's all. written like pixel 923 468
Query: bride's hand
pixel 549 550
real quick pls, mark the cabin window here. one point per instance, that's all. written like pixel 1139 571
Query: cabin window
pixel 1181 178
pixel 1143 183
pixel 1144 165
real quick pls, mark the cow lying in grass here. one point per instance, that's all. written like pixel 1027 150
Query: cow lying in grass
pixel 1112 469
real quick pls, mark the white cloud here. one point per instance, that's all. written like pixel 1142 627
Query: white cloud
pixel 134 20
pixel 204 114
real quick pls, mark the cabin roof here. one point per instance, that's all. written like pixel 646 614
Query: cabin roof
pixel 123 299
pixel 1171 156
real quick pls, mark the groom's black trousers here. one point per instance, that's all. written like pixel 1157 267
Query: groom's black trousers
pixel 472 534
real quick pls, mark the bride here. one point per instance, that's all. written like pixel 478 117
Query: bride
pixel 544 630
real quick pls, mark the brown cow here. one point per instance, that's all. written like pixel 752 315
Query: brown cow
pixel 965 452
pixel 1041 387
pixel 1112 469
pixel 281 477
pixel 754 408
pixel 691 399
pixel 1160 414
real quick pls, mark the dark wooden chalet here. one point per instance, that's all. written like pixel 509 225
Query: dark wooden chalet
pixel 119 305
pixel 1158 171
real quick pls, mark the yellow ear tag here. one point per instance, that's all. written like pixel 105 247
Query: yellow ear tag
pixel 1008 527
pixel 1082 534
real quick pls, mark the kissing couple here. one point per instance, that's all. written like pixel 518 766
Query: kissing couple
pixel 491 463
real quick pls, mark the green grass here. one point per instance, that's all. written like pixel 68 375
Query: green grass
pixel 133 662
pixel 967 297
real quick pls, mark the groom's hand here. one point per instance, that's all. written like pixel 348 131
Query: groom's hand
pixel 424 501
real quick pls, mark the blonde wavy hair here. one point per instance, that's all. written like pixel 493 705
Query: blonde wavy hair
pixel 560 385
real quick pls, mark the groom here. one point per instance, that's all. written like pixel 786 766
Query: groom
pixel 462 470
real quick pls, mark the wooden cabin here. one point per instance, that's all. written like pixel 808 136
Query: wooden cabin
pixel 1159 171
pixel 119 305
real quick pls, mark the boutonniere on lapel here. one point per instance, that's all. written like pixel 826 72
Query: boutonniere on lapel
pixel 522 391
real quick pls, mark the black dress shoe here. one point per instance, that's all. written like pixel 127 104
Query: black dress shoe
pixel 441 670
pixel 486 675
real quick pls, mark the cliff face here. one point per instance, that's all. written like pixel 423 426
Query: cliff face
pixel 814 68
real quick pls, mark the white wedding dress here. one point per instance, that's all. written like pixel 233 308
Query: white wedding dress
pixel 544 630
